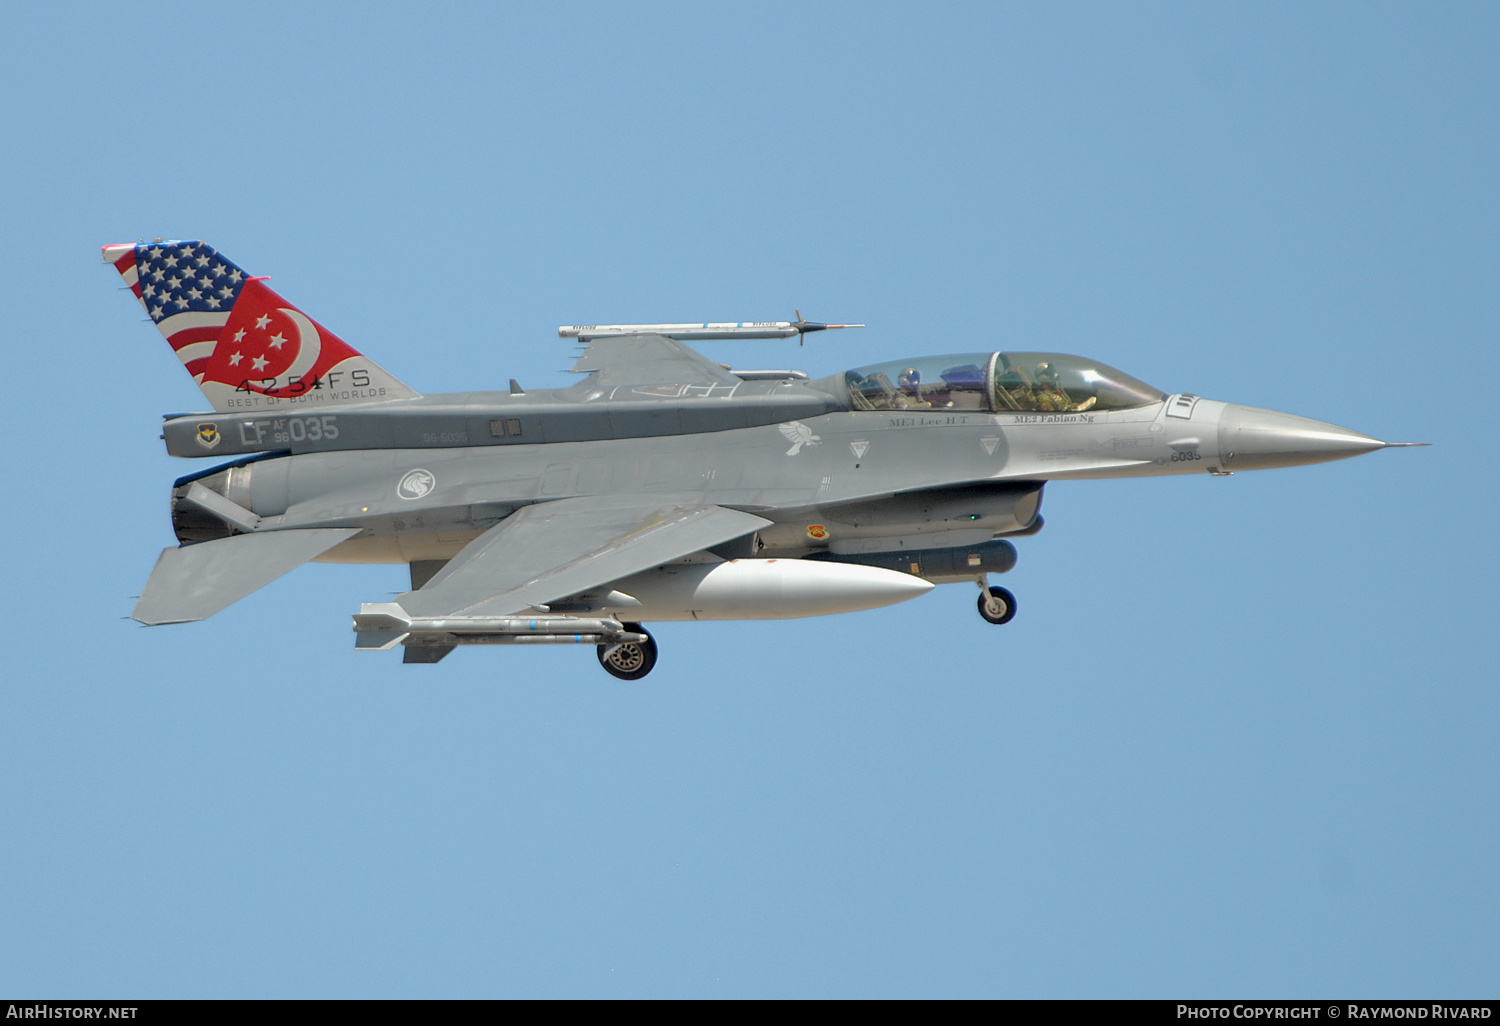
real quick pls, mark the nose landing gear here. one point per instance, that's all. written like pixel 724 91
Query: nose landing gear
pixel 996 604
pixel 630 660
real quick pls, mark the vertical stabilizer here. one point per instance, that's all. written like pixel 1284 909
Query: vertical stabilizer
pixel 244 345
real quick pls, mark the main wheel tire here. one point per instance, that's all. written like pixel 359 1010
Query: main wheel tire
pixel 632 660
pixel 997 605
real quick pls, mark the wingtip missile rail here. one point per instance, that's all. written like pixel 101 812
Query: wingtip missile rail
pixel 701 331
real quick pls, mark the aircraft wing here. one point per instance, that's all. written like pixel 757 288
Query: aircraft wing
pixel 551 550
pixel 650 360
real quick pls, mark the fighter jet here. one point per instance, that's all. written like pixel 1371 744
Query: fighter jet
pixel 661 485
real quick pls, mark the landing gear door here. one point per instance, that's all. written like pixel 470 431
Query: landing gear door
pixel 1180 407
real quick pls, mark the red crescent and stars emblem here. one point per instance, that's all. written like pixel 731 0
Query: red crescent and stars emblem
pixel 271 348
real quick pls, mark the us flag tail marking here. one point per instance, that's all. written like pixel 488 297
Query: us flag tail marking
pixel 244 345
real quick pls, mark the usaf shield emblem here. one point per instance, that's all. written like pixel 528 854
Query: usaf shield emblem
pixel 208 435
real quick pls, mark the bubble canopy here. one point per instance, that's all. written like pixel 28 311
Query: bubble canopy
pixel 998 382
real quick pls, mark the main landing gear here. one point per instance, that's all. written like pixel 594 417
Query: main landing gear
pixel 630 660
pixel 996 604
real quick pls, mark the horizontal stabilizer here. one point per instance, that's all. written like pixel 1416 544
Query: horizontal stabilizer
pixel 196 581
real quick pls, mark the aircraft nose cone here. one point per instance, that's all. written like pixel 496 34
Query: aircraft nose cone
pixel 1255 439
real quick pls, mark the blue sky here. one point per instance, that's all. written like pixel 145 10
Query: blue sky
pixel 1240 739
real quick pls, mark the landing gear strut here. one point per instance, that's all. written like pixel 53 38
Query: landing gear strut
pixel 630 660
pixel 996 604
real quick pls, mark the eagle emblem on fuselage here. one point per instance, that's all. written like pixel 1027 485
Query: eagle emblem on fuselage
pixel 799 434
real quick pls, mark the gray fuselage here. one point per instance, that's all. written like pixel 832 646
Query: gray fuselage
pixel 422 477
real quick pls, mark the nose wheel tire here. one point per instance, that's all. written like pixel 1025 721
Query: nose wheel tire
pixel 631 660
pixel 997 605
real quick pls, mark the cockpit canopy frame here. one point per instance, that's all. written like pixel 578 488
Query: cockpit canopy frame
pixel 998 383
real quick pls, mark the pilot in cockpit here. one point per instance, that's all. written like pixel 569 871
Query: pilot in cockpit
pixel 1049 394
pixel 909 386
